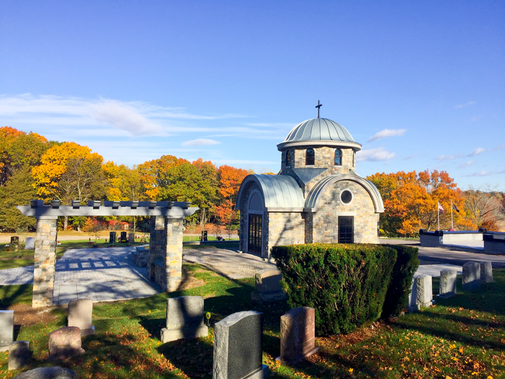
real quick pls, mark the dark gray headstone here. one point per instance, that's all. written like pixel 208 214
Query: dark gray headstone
pixel 14 245
pixel 80 314
pixel 298 335
pixel 30 243
pixel 19 355
pixel 48 373
pixel 6 329
pixel 131 238
pixel 123 237
pixel 238 347
pixel 471 276
pixel 112 237
pixel 184 319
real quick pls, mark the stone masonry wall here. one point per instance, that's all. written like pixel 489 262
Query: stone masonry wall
pixel 157 243
pixel 284 229
pixel 166 252
pixel 44 261
pixel 324 158
pixel 325 224
pixel 173 260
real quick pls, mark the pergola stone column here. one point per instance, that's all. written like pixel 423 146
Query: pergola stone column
pixel 165 252
pixel 44 261
pixel 166 238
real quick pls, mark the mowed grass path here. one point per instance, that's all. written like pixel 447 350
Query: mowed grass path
pixel 463 337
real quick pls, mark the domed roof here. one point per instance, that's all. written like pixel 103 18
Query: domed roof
pixel 319 132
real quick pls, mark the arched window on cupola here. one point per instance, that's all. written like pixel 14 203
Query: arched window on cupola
pixel 288 158
pixel 338 157
pixel 309 157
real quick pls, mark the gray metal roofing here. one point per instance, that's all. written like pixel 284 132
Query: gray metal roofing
pixel 319 188
pixel 279 191
pixel 307 174
pixel 320 129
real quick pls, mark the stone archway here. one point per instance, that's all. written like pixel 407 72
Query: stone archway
pixel 165 261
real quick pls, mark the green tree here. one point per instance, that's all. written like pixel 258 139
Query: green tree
pixel 18 190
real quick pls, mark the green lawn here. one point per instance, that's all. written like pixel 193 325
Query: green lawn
pixel 462 337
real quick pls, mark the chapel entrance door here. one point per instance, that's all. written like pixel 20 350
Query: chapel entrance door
pixel 345 229
pixel 254 235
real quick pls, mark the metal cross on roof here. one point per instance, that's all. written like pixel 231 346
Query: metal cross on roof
pixel 318 106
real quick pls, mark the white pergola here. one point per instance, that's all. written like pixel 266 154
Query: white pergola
pixel 165 242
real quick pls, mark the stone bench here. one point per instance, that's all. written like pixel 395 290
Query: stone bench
pixel 140 256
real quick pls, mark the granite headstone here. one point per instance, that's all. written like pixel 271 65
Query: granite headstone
pixel 65 342
pixel 6 329
pixel 112 237
pixel 80 314
pixel 238 347
pixel 20 355
pixel 268 287
pixel 184 319
pixel 14 245
pixel 298 335
pixel 448 280
pixel 29 243
pixel 56 372
pixel 486 272
pixel 471 276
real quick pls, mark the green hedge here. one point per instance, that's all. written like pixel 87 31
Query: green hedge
pixel 406 265
pixel 346 284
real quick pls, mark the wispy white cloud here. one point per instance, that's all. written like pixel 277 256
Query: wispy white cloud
pixel 136 118
pixel 200 142
pixel 467 164
pixel 448 157
pixel 486 173
pixel 271 124
pixel 374 155
pixel 124 117
pixel 412 156
pixel 387 133
pixel 465 104
pixel 477 151
pixel 475 118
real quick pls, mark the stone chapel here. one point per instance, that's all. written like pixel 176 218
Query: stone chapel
pixel 316 197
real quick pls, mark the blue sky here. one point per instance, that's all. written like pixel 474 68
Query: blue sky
pixel 420 84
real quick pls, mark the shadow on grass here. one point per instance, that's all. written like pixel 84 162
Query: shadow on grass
pixel 193 357
pixel 15 294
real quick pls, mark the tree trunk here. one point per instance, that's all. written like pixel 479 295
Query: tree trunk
pixel 203 220
pixel 65 222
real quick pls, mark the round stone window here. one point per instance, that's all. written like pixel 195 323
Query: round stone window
pixel 346 196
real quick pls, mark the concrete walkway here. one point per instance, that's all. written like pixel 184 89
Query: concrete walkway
pixel 108 274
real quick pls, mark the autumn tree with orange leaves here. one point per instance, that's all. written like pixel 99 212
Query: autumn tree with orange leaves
pixel 411 202
pixel 230 179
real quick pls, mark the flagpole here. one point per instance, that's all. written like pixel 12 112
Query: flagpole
pixel 452 221
pixel 438 217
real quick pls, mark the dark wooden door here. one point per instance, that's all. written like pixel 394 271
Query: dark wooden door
pixel 345 229
pixel 254 238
